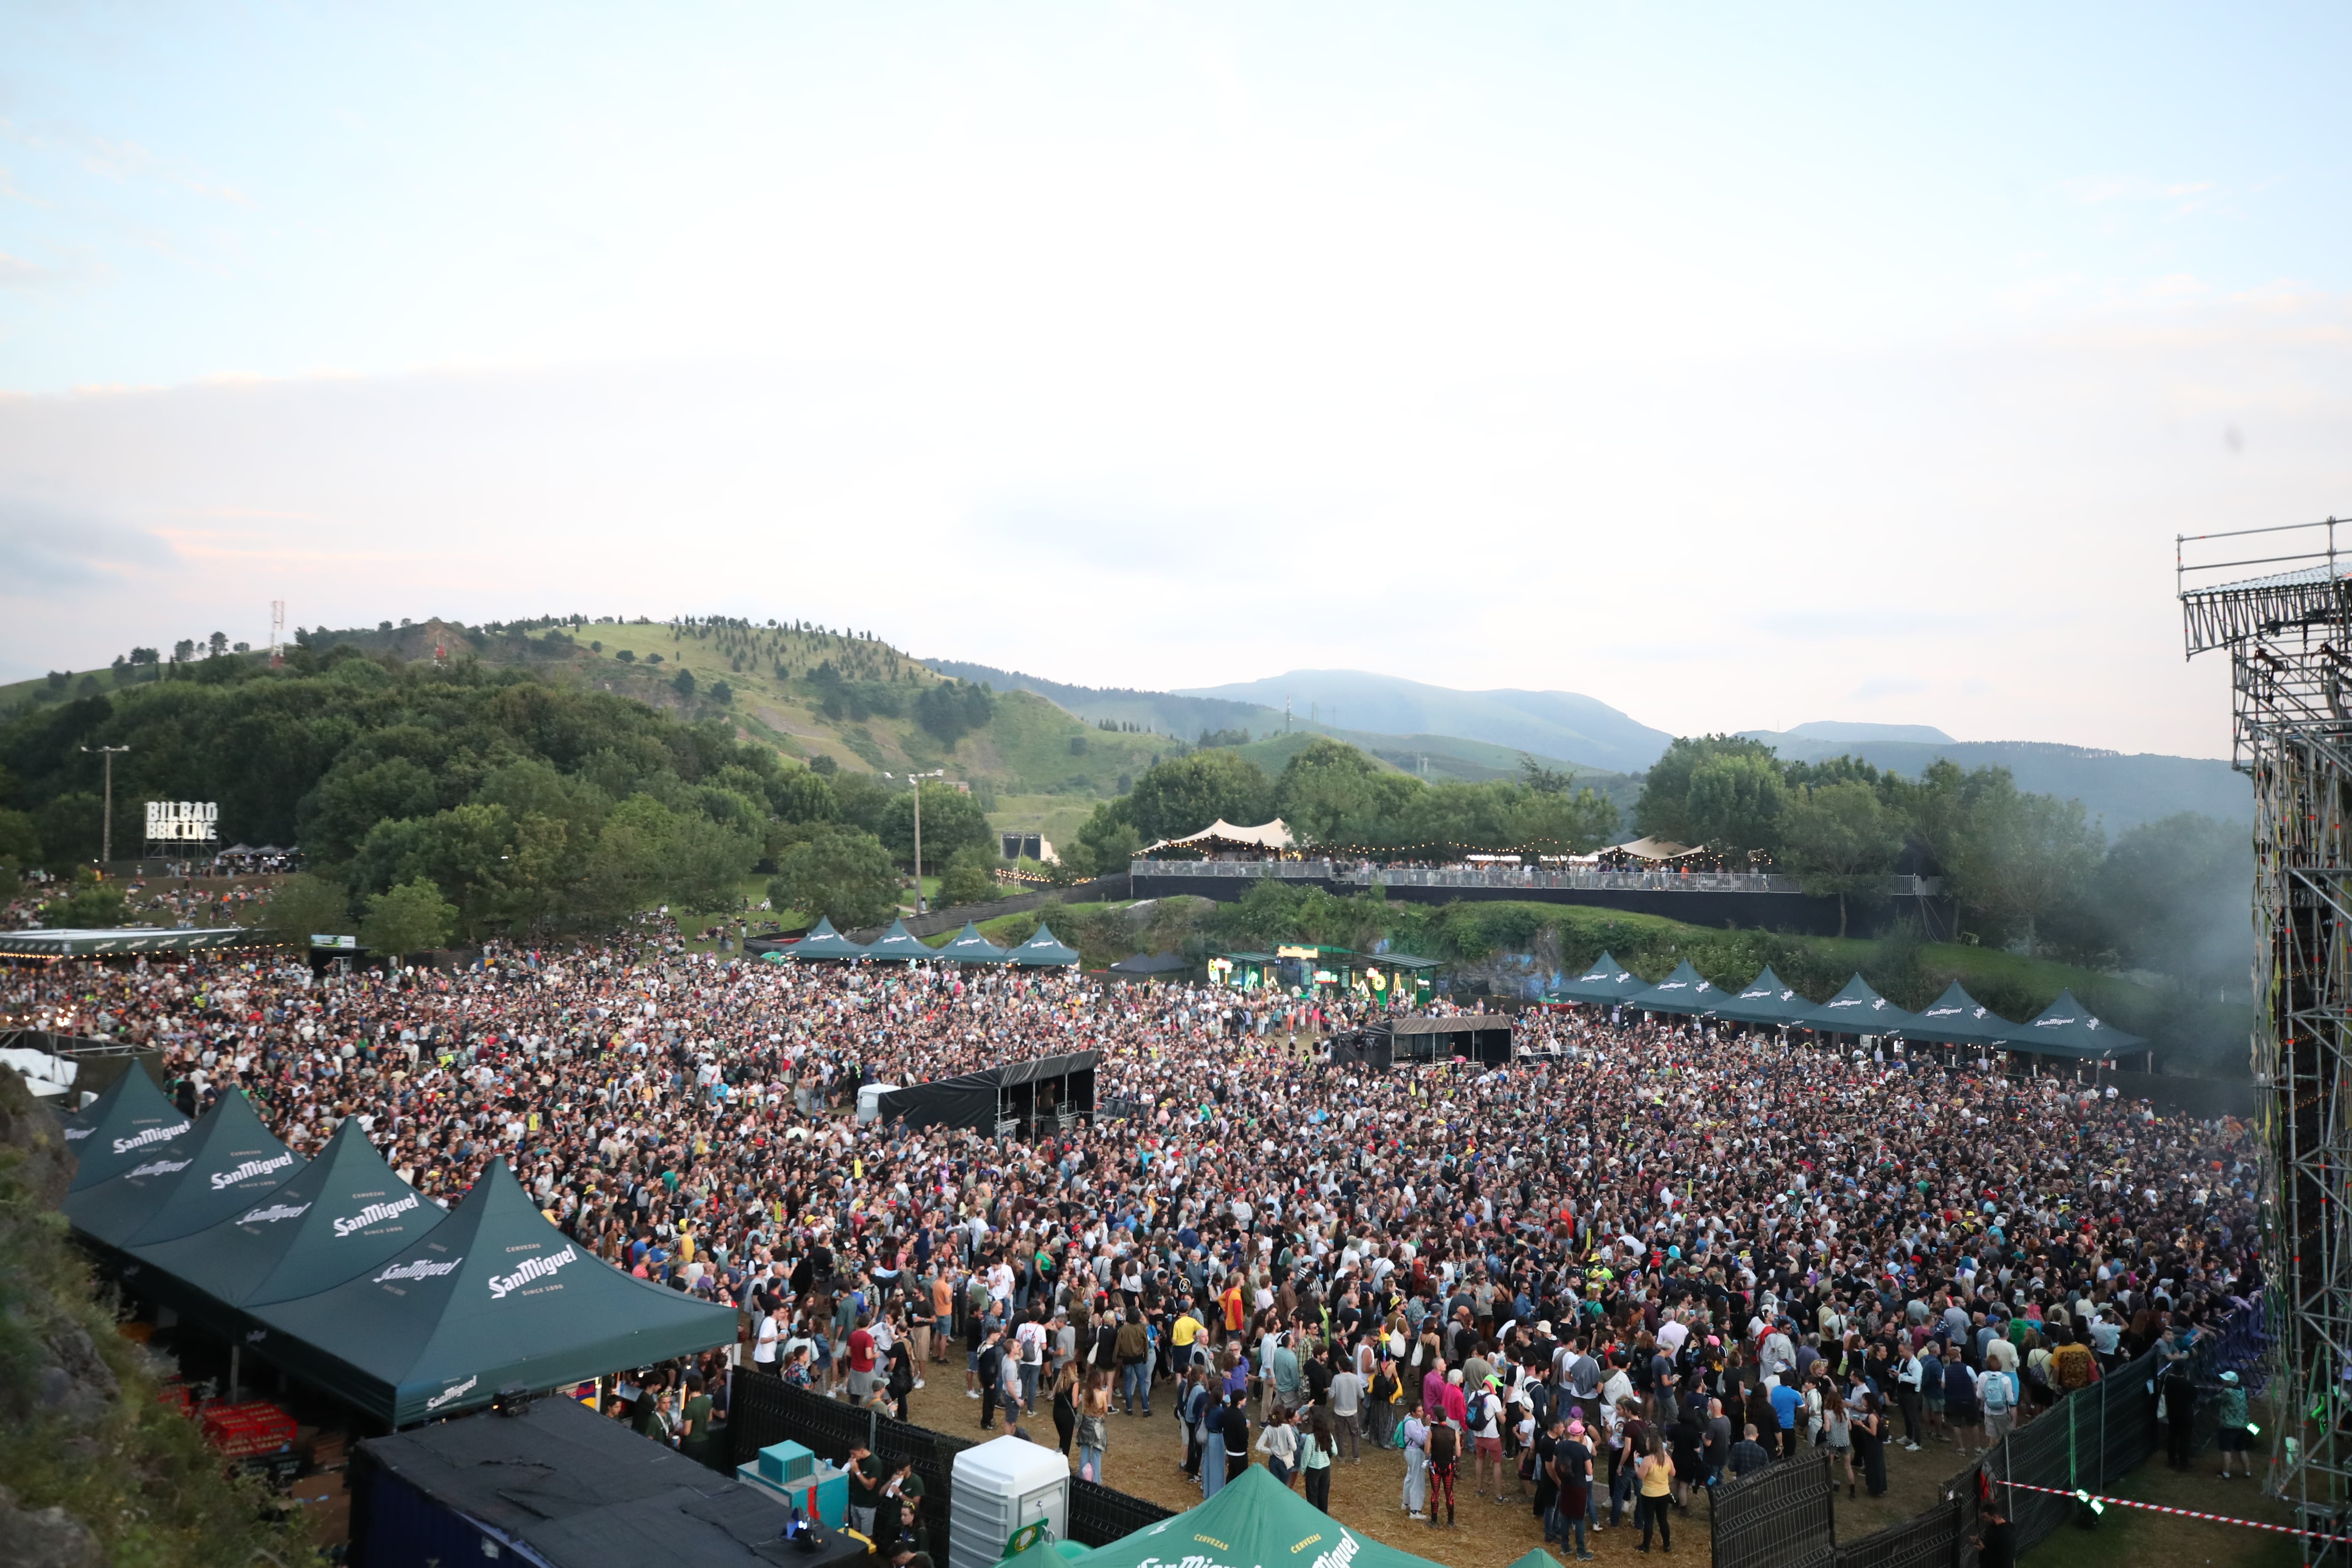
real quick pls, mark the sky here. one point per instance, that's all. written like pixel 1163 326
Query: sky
pixel 1738 367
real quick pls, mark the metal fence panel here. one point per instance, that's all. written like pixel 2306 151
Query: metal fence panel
pixel 1099 1515
pixel 1929 1540
pixel 1781 1516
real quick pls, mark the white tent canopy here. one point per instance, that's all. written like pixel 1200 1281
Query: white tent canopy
pixel 1274 834
pixel 1653 849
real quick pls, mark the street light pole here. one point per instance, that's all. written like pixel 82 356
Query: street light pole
pixel 106 823
pixel 915 782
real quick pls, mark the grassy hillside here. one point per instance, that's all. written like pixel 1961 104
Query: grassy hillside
pixel 807 693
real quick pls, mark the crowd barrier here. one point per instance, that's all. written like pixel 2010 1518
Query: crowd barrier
pixel 1785 1517
pixel 765 1410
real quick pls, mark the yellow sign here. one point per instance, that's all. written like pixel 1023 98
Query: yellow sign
pixel 1306 953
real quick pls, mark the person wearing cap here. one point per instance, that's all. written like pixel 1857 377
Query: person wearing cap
pixel 2230 1419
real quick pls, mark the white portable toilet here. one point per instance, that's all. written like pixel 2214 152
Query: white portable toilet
pixel 869 1100
pixel 1000 1486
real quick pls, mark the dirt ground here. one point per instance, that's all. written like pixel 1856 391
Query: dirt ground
pixel 1145 1456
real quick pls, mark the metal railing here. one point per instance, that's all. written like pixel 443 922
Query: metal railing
pixel 1356 874
pixel 1099 1515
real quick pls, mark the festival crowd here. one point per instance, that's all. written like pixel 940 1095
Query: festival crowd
pixel 1644 1257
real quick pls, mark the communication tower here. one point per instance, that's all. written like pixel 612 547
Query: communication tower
pixel 2289 637
pixel 277 632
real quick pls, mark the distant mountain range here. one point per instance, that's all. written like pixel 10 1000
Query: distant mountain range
pixel 2119 790
pixel 1439 733
pixel 1544 723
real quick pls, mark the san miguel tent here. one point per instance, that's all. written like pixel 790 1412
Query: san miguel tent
pixel 2066 1029
pixel 1254 1522
pixel 1958 1018
pixel 1767 999
pixel 1009 1099
pixel 492 1295
pixel 343 1215
pixel 1684 990
pixel 968 946
pixel 825 942
pixel 108 1134
pixel 1043 948
pixel 1857 1010
pixel 1605 982
pixel 899 943
pixel 225 1163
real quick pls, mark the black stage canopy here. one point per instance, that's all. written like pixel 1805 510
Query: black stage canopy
pixel 561 1485
pixel 1014 1100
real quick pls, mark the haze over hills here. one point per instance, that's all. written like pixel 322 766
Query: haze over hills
pixel 2117 790
pixel 1545 723
pixel 1832 730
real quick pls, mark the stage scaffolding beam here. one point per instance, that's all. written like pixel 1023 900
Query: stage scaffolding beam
pixel 2289 637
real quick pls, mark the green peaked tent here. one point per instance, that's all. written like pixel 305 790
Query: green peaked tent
pixel 1857 1010
pixel 492 1296
pixel 1254 1522
pixel 229 1159
pixel 1684 990
pixel 1539 1558
pixel 1767 999
pixel 968 946
pixel 1960 1020
pixel 825 942
pixel 2066 1029
pixel 899 943
pixel 342 1215
pixel 1605 982
pixel 1043 948
pixel 121 1128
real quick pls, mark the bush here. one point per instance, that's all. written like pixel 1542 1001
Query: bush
pixel 970 878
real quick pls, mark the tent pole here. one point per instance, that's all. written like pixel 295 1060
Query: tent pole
pixel 236 1354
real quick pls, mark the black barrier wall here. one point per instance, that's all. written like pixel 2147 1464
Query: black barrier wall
pixel 763 1410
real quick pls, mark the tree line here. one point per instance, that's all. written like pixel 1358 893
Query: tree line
pixel 438 803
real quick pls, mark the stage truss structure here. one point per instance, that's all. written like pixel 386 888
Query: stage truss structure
pixel 2288 633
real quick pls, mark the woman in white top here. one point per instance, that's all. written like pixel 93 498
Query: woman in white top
pixel 1278 1441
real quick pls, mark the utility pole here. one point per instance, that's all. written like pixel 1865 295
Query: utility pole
pixel 106 823
pixel 915 781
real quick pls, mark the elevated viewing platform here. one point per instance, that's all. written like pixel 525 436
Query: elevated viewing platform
pixel 1757 899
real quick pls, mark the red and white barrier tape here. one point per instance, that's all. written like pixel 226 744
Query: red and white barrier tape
pixel 2178 1512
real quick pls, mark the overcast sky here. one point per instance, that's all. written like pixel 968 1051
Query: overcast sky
pixel 1738 368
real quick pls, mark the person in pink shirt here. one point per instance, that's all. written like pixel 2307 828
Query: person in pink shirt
pixel 1457 1403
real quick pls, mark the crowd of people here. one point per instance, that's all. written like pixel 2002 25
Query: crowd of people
pixel 1650 1254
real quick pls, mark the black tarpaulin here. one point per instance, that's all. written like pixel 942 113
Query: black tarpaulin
pixel 574 1490
pixel 982 1098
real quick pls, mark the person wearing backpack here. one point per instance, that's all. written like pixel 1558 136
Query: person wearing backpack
pixel 1997 1395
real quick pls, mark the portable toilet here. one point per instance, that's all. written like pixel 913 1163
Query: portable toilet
pixel 1000 1486
pixel 869 1100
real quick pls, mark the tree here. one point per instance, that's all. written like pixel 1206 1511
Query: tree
pixel 1841 842
pixel 305 905
pixel 801 794
pixel 1183 794
pixel 953 708
pixel 1663 809
pixel 1325 791
pixel 839 873
pixel 410 918
pixel 2175 895
pixel 1556 823
pixel 92 905
pixel 952 821
pixel 2024 855
pixel 1542 780
pixel 970 877
pixel 1733 803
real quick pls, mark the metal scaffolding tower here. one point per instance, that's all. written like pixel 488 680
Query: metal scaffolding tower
pixel 2289 635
